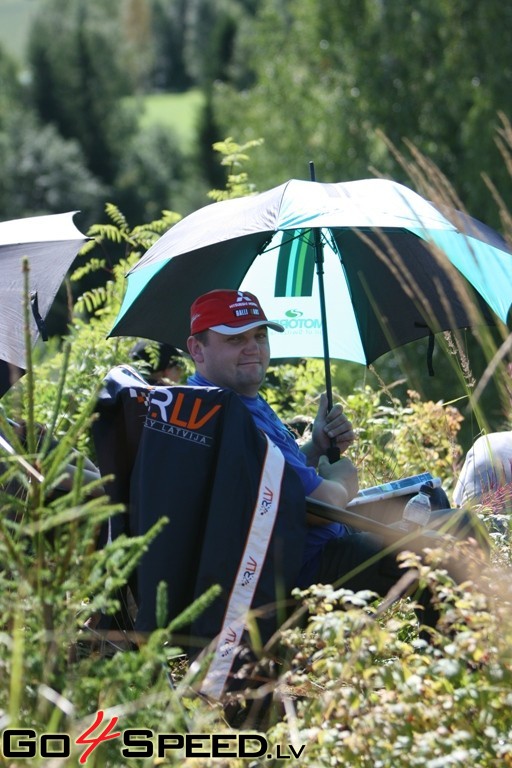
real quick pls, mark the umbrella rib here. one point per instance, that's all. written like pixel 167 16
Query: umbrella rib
pixel 265 247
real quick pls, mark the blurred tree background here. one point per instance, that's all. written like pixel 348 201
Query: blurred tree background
pixel 319 80
pixel 323 79
pixel 333 81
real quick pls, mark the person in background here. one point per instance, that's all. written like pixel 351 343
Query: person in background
pixel 164 364
pixel 486 475
pixel 300 427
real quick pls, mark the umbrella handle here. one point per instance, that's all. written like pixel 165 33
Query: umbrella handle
pixel 333 452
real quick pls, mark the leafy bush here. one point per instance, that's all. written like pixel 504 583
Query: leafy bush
pixel 362 695
pixel 397 439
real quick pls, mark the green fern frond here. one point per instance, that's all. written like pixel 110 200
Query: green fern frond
pixel 93 265
pixel 111 232
pixel 168 219
pixel 117 217
pixel 120 269
pixel 234 156
pixel 92 300
pixel 144 239
pixel 89 246
pixel 147 234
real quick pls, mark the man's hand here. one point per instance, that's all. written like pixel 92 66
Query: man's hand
pixel 342 472
pixel 339 484
pixel 332 426
pixel 329 428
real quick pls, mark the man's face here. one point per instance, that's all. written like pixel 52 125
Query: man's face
pixel 237 362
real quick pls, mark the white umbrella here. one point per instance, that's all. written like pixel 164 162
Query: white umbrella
pixel 50 244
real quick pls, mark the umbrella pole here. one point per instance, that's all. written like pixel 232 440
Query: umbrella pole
pixel 333 453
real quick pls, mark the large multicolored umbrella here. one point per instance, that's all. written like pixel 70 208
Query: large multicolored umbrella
pixel 50 244
pixel 392 267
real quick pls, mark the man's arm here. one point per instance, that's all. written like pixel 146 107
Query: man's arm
pixel 339 485
pixel 339 480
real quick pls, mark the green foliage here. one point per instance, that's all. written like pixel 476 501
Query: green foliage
pixel 79 84
pixel 327 76
pixel 355 683
pixel 169 24
pixel 320 81
pixel 151 172
pixel 365 696
pixel 233 157
pixel 42 172
pixel 48 566
pixel 208 38
pixel 396 439
pixel 54 582
pixel 289 388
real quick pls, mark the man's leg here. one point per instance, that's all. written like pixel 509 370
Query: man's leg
pixel 355 562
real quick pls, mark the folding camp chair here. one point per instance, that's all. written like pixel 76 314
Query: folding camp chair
pixel 235 510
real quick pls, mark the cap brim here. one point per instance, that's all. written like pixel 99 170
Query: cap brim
pixel 230 330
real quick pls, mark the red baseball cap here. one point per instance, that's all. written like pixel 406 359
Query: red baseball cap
pixel 228 312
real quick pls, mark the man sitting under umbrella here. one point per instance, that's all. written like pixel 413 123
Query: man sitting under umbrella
pixel 229 346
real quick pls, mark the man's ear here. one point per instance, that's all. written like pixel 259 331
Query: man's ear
pixel 195 349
